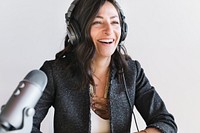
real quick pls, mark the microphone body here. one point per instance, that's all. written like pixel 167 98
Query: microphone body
pixel 26 95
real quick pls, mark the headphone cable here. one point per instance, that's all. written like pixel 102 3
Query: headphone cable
pixel 129 101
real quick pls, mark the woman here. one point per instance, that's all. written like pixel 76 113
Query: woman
pixel 93 83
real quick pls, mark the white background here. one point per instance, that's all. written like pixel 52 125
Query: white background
pixel 164 35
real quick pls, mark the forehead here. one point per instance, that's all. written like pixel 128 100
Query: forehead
pixel 108 9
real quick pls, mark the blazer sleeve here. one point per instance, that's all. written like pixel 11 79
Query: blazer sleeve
pixel 150 105
pixel 46 100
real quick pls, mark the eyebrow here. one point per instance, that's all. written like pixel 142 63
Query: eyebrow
pixel 110 17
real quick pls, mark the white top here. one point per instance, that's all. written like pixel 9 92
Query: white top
pixel 99 125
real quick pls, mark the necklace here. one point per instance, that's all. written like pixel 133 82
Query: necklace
pixel 106 84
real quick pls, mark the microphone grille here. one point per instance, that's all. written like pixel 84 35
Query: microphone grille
pixel 37 77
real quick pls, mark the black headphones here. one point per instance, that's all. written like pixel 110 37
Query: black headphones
pixel 73 31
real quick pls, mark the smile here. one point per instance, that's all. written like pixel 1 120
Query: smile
pixel 107 41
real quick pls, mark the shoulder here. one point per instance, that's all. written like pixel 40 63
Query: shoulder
pixel 56 63
pixel 134 70
pixel 133 65
pixel 55 67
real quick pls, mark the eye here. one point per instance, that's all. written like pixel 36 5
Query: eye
pixel 115 22
pixel 96 22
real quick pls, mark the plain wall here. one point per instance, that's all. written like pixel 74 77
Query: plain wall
pixel 163 35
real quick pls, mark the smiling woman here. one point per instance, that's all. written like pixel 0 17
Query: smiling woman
pixel 93 84
pixel 106 31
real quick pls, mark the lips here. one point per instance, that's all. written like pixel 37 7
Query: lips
pixel 107 41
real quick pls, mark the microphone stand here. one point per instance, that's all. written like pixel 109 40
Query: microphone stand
pixel 26 124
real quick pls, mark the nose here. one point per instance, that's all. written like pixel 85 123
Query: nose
pixel 108 29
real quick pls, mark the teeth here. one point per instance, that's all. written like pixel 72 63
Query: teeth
pixel 106 40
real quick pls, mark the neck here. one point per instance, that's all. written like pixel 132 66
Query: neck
pixel 100 66
pixel 101 73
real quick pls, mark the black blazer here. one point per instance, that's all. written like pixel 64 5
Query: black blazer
pixel 72 106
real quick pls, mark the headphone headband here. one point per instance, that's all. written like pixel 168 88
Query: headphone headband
pixel 70 10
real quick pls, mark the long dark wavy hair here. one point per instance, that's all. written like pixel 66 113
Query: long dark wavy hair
pixel 81 54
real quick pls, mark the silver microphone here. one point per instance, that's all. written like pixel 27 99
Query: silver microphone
pixel 26 95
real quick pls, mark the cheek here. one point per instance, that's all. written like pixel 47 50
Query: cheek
pixel 92 34
pixel 118 34
pixel 118 30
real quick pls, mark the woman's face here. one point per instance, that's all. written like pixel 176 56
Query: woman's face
pixel 106 30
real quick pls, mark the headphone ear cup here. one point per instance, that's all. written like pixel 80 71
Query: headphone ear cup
pixel 124 31
pixel 73 32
